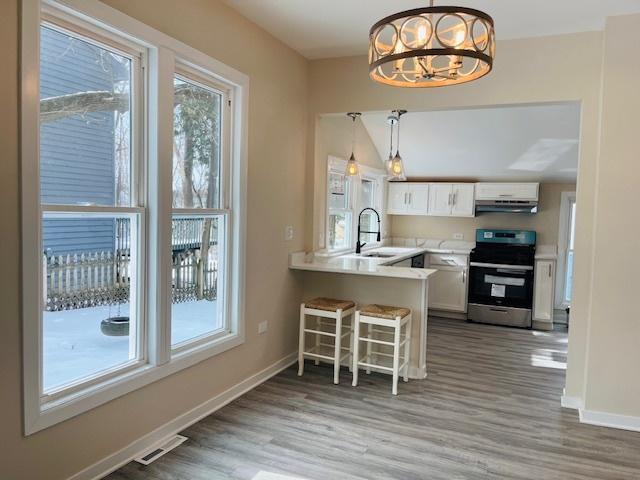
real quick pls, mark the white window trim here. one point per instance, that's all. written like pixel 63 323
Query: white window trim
pixel 564 232
pixel 339 165
pixel 162 54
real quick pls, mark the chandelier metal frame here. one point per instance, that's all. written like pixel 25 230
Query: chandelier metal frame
pixel 431 47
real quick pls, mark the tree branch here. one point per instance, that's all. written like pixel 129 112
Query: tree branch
pixel 82 103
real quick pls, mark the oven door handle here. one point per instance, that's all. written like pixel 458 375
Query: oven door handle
pixel 502 266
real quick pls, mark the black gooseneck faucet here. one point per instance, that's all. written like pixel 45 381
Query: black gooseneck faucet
pixel 358 244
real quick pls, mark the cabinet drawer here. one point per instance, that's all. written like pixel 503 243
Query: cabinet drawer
pixel 448 260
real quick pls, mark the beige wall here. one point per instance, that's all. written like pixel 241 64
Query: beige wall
pixel 612 374
pixel 546 69
pixel 278 97
pixel 545 222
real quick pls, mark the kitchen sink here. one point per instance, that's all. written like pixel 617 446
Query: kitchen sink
pixel 378 255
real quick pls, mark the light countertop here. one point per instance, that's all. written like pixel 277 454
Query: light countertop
pixel 361 265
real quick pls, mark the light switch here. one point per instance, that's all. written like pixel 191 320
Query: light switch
pixel 262 327
pixel 458 236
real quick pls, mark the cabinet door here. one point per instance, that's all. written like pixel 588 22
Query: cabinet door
pixel 418 199
pixel 440 199
pixel 448 289
pixel 507 191
pixel 543 290
pixel 397 198
pixel 463 200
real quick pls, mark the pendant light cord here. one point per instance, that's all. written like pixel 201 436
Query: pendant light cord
pixel 398 139
pixel 391 139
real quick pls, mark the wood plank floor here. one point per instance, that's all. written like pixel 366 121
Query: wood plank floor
pixel 490 409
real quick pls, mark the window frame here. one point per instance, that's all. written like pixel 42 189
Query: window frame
pixel 566 221
pixel 134 211
pixel 335 168
pixel 194 76
pixel 153 189
pixel 354 185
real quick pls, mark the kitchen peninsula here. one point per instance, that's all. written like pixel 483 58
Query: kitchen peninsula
pixel 375 276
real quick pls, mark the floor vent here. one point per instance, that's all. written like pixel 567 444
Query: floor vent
pixel 160 449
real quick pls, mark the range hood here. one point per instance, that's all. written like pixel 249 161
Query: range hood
pixel 506 197
pixel 506 206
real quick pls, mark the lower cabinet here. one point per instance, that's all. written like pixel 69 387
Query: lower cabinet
pixel 543 290
pixel 448 287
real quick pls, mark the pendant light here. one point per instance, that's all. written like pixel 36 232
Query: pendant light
pixel 431 47
pixel 397 168
pixel 391 120
pixel 352 165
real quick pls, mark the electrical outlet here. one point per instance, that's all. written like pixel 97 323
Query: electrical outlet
pixel 288 233
pixel 263 326
pixel 458 236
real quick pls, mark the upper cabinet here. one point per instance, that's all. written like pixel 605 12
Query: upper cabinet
pixel 408 198
pixel 451 199
pixel 507 191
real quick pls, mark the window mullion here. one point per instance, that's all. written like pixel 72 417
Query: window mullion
pixel 160 120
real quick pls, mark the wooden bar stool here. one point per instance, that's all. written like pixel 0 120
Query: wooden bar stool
pixel 330 315
pixel 383 320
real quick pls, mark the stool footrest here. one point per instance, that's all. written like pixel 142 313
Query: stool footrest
pixel 319 332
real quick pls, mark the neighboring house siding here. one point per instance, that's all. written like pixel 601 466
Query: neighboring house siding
pixel 76 153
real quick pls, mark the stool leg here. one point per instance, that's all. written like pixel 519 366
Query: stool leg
pixel 351 342
pixel 317 362
pixel 301 342
pixel 396 356
pixel 370 334
pixel 356 347
pixel 338 349
pixel 407 348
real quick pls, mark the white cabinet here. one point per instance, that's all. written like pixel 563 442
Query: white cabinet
pixel 397 198
pixel 408 198
pixel 451 199
pixel 418 199
pixel 440 199
pixel 543 290
pixel 463 200
pixel 507 191
pixel 448 287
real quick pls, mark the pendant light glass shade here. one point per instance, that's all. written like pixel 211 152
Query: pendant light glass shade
pixel 352 169
pixel 396 167
pixel 391 120
pixel 397 170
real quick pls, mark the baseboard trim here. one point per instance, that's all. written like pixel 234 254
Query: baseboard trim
pixel 542 325
pixel 134 449
pixel 611 420
pixel 567 401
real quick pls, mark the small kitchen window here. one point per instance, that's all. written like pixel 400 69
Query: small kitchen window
pixel 346 198
pixel 340 213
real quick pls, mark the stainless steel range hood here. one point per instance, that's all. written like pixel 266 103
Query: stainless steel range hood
pixel 506 206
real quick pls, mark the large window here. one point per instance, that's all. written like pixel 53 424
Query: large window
pixel 133 161
pixel 198 239
pixel 91 215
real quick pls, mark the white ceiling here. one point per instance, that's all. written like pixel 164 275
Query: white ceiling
pixel 336 28
pixel 527 143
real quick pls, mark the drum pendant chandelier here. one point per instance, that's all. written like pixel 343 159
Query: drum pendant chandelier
pixel 431 47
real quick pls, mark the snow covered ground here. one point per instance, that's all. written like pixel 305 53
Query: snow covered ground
pixel 74 346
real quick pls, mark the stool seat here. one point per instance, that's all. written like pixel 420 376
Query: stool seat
pixel 329 304
pixel 384 311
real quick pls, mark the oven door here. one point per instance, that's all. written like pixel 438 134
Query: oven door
pixel 506 285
